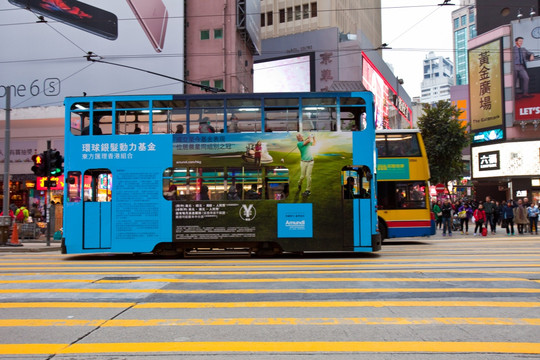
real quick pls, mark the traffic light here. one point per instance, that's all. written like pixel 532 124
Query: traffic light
pixel 56 161
pixel 40 166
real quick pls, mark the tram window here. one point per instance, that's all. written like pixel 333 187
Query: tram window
pixel 103 119
pixel 97 185
pixel 356 182
pixel 131 122
pixel 353 118
pixel 317 118
pixel 73 182
pixel 217 184
pixel 206 121
pixel 285 119
pixel 77 121
pixel 246 119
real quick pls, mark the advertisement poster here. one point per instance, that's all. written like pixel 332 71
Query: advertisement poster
pixel 485 86
pixel 218 163
pixel 526 65
pixel 47 48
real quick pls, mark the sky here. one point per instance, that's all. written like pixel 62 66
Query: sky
pixel 412 29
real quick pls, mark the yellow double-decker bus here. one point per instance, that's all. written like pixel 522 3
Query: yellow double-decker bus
pixel 403 204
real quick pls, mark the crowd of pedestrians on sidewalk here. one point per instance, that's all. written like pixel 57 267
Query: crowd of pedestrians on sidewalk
pixel 521 216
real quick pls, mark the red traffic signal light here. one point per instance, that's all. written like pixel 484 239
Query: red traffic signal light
pixel 39 167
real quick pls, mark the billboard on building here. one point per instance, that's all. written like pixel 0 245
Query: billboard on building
pixel 506 159
pixel 486 86
pixel 384 95
pixel 526 65
pixel 46 48
pixel 323 62
pixel 290 74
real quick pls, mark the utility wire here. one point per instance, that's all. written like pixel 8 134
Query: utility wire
pixel 92 57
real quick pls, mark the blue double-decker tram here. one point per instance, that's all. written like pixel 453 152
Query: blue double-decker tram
pixel 269 173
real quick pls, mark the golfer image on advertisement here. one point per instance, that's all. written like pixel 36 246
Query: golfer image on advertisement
pixel 306 161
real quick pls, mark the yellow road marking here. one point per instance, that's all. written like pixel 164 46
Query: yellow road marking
pixel 285 272
pixel 270 304
pixel 272 291
pixel 412 263
pixel 279 347
pixel 274 262
pixel 266 280
pixel 268 321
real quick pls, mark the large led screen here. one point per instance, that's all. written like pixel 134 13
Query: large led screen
pixel 292 74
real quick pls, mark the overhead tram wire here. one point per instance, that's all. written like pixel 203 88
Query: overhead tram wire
pixel 92 57
pixel 64 79
pixel 234 14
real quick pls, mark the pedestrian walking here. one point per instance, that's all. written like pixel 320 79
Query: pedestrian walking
pixel 533 212
pixel 520 217
pixel 489 208
pixel 480 219
pixel 446 211
pixel 464 214
pixel 438 214
pixel 508 216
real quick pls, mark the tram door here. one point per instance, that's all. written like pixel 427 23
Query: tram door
pixel 357 205
pixel 97 210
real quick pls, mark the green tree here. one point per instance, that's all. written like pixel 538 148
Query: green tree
pixel 445 138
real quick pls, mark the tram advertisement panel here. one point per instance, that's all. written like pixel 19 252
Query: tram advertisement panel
pixel 221 179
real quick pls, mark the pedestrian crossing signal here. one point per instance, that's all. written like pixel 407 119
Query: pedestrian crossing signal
pixel 39 167
pixel 56 162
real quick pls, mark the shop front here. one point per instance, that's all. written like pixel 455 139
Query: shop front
pixel 508 170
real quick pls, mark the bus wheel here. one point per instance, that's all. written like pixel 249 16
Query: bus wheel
pixel 383 229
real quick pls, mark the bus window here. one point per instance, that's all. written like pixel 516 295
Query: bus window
pixel 73 183
pixel 97 185
pixel 381 145
pixel 402 145
pixel 407 195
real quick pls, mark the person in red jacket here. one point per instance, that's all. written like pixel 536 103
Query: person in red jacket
pixel 480 218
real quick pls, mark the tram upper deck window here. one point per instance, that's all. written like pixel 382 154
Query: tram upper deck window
pixel 170 116
pixel 243 115
pixel 206 116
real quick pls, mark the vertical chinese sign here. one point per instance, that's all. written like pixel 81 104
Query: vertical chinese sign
pixel 485 86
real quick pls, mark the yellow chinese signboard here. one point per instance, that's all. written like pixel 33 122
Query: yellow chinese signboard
pixel 485 86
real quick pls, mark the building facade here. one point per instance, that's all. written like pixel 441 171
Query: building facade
pixel 220 44
pixel 438 78
pixel 464 27
pixel 287 17
pixel 505 153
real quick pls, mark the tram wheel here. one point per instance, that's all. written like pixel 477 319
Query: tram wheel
pixel 267 250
